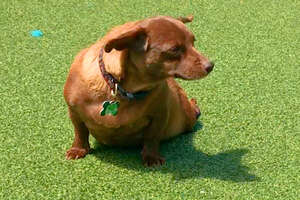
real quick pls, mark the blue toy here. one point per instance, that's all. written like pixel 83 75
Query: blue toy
pixel 36 33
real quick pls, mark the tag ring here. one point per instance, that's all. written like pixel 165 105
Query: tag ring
pixel 115 90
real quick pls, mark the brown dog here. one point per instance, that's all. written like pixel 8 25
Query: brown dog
pixel 133 67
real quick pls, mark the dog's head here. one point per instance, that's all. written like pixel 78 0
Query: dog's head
pixel 162 47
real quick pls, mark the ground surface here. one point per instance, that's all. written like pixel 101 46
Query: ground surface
pixel 246 144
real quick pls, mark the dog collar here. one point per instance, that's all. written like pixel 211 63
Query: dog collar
pixel 114 84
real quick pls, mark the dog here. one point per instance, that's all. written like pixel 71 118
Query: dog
pixel 122 89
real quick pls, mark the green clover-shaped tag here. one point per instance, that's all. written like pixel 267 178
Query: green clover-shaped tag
pixel 110 108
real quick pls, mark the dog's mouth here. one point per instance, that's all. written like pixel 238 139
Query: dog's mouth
pixel 185 77
pixel 181 77
pixel 193 73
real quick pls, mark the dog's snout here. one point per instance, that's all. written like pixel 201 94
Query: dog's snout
pixel 209 66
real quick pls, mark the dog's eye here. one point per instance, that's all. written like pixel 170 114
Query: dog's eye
pixel 174 52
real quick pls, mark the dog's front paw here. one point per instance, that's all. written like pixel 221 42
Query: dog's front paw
pixel 196 107
pixel 152 159
pixel 76 153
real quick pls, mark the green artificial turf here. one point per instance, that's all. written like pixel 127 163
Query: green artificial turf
pixel 245 146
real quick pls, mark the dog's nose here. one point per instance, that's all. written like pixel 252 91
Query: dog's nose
pixel 209 66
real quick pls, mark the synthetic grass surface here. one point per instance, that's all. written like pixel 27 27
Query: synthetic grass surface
pixel 246 144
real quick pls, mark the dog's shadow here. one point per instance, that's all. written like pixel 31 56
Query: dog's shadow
pixel 182 160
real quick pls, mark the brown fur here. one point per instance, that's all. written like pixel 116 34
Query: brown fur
pixel 144 55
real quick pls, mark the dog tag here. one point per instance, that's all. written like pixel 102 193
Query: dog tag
pixel 110 108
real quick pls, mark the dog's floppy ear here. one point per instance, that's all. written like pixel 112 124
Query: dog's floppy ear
pixel 186 19
pixel 135 38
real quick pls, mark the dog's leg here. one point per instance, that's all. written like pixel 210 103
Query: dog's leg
pixel 152 137
pixel 192 112
pixel 190 107
pixel 81 144
pixel 151 155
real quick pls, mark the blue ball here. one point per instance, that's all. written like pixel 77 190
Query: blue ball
pixel 36 33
